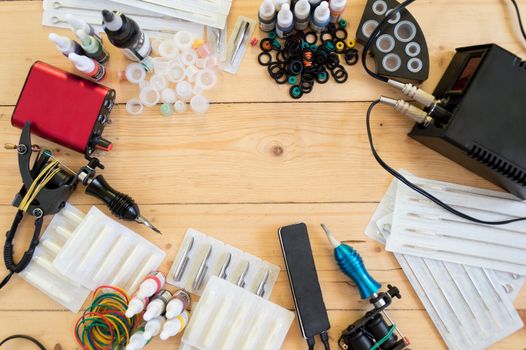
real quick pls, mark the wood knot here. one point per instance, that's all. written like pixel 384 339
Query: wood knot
pixel 277 151
pixel 168 246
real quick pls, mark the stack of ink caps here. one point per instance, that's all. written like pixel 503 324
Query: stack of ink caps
pixel 163 313
pixel 306 43
pixel 183 70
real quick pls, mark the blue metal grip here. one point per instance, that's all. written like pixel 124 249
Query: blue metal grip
pixel 351 263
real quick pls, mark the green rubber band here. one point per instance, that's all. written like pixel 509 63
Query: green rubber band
pixel 343 23
pixel 293 80
pixel 272 35
pixel 384 339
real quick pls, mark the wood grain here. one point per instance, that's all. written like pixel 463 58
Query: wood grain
pixel 457 26
pixel 251 153
pixel 255 162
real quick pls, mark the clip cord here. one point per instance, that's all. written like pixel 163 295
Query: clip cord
pixel 32 192
pixel 417 188
pixel 9 260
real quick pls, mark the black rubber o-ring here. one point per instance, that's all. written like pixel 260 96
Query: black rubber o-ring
pixel 339 74
pixel 311 35
pixel 351 56
pixel 267 62
pixel 340 34
pixel 324 34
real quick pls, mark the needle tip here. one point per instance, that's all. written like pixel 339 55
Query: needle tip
pixel 147 223
pixel 334 242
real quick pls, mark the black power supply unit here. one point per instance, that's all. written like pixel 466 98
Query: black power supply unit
pixel 484 87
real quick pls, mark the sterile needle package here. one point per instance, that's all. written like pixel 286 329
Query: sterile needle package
pixel 472 307
pixel 468 309
pixel 422 228
pixel 43 275
pixel 201 257
pixel 101 251
pixel 156 25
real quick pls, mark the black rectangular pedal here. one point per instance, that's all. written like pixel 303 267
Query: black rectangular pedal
pixel 303 279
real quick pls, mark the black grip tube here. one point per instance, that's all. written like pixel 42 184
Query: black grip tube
pixel 121 205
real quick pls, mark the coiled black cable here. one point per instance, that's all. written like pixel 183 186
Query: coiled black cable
pixel 9 260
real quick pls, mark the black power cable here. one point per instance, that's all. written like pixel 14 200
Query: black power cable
pixel 418 189
pixel 372 38
pixel 325 340
pixel 26 337
pixel 519 18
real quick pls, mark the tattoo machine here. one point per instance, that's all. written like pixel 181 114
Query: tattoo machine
pixel 371 331
pixel 71 111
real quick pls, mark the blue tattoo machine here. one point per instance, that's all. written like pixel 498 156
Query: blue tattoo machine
pixel 371 332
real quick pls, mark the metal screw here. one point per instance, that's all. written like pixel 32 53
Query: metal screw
pixel 37 212
pixel 22 149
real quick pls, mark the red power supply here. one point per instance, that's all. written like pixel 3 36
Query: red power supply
pixel 65 108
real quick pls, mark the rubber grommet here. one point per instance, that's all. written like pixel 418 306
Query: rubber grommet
pixel 340 46
pixel 266 45
pixel 322 77
pixel 295 92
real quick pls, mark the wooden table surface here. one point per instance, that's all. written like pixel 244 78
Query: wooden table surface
pixel 256 161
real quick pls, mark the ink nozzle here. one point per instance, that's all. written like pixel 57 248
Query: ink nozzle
pixel 84 37
pixel 62 42
pixel 112 21
pixel 76 23
pixel 83 63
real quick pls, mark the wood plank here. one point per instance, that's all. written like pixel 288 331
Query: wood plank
pixel 413 323
pixel 251 153
pixel 241 226
pixel 494 22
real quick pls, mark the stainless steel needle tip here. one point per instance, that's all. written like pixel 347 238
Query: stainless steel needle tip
pixel 145 222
